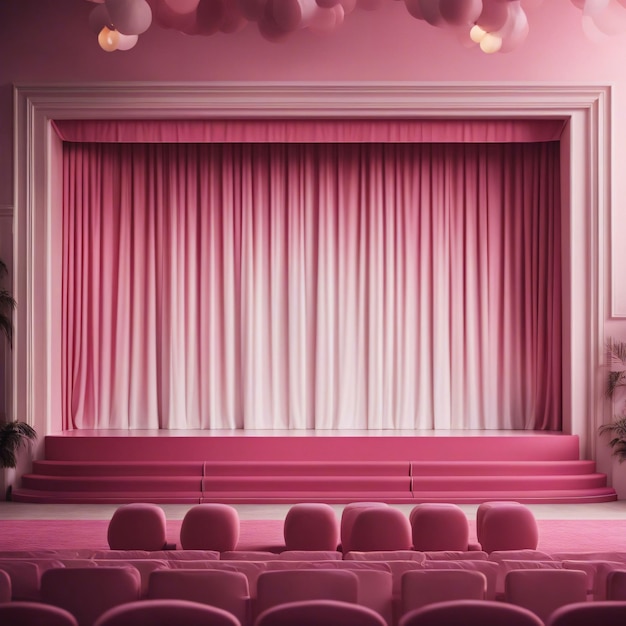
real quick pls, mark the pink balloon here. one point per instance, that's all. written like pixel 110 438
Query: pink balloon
pixel 99 18
pixel 458 12
pixel 370 5
pixel 252 10
pixel 293 14
pixel 130 17
pixel 233 20
pixel 209 16
pixel 431 12
pixel 327 4
pixel 268 27
pixel 182 6
pixel 493 16
pixel 348 6
pixel 516 30
pixel 414 7
pixel 327 20
pixel 167 18
pixel 580 4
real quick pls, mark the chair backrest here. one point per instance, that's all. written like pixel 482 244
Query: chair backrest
pixel 380 528
pixel 616 585
pixel 439 526
pixel 224 589
pixel 470 613
pixel 602 613
pixel 542 591
pixel 5 586
pixel 281 586
pixel 35 614
pixel 348 515
pixel 316 612
pixel 137 526
pixel 420 588
pixel 87 592
pixel 166 613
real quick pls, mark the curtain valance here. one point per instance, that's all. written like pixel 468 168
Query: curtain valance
pixel 310 131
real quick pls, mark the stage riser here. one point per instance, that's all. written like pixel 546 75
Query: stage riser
pixel 319 448
pixel 289 469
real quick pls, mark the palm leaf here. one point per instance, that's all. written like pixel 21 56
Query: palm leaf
pixel 14 435
pixel 616 357
pixel 7 303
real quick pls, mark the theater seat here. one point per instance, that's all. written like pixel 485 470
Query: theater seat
pixel 311 526
pixel 470 613
pixel 380 528
pixel 137 526
pixel 439 526
pixel 420 588
pixel 318 613
pixel 166 613
pixel 210 526
pixel 598 613
pixel 542 591
pixel 87 592
pixel 35 614
pixel 506 526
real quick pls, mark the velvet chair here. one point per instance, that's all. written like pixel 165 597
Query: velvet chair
pixel 506 526
pixel 35 614
pixel 597 613
pixel 318 613
pixel 616 585
pixel 439 526
pixel 221 588
pixel 294 585
pixel 542 591
pixel 166 613
pixel 470 613
pixel 348 515
pixel 419 588
pixel 210 526
pixel 87 592
pixel 5 586
pixel 311 526
pixel 380 528
pixel 137 526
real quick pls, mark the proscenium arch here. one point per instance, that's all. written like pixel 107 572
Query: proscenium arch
pixel 585 156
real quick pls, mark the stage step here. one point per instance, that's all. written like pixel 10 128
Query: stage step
pixel 531 469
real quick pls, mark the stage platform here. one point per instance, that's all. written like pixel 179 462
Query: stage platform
pixel 253 467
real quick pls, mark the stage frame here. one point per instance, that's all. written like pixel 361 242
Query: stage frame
pixel 585 151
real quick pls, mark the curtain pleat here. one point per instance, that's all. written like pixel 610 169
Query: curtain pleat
pixel 312 286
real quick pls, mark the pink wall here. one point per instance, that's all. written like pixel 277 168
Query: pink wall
pixel 49 41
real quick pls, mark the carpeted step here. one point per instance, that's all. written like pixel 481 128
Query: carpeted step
pixel 116 468
pixel 120 484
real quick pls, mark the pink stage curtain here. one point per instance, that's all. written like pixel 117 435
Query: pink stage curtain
pixel 312 286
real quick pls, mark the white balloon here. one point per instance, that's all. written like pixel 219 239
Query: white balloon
pixel 611 21
pixel 130 17
pixel 126 42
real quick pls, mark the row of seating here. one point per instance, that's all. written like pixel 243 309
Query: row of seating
pixel 364 526
pixel 246 589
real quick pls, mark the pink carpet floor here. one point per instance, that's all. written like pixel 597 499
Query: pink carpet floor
pixel 554 535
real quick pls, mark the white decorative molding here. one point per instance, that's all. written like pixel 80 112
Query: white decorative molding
pixel 586 149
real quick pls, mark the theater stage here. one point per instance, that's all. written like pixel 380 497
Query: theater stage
pixel 263 466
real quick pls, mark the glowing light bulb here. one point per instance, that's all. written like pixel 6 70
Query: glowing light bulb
pixel 477 33
pixel 490 43
pixel 108 39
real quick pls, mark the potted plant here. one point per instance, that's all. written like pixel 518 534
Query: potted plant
pixel 13 434
pixel 616 354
